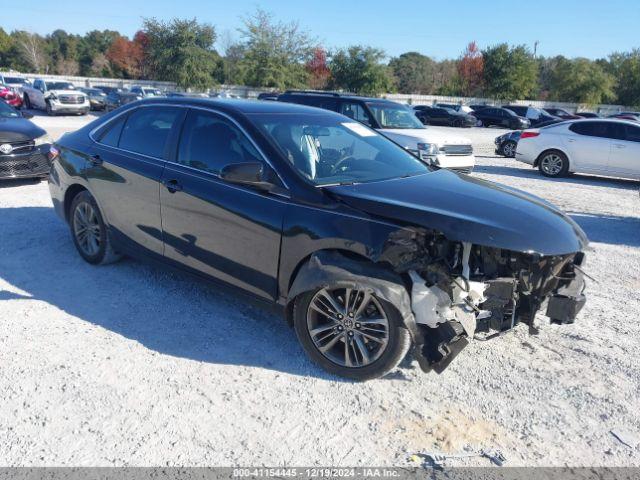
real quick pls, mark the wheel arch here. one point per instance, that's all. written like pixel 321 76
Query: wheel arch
pixel 536 163
pixel 71 193
pixel 323 265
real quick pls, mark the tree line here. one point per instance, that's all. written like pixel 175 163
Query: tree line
pixel 280 55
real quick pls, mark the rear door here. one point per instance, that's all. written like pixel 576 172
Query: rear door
pixel 125 172
pixel 625 151
pixel 222 230
pixel 588 145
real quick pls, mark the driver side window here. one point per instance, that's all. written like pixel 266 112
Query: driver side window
pixel 209 142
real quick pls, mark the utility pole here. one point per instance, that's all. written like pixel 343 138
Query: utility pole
pixel 535 48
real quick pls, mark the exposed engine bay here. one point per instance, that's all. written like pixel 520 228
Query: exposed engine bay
pixel 461 291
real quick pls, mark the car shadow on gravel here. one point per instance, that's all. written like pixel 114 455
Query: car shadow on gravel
pixel 610 229
pixel 18 182
pixel 590 180
pixel 169 312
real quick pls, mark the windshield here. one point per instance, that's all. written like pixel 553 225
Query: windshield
pixel 392 115
pixel 328 149
pixel 7 112
pixel 60 86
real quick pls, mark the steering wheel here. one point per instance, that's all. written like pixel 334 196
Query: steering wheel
pixel 342 165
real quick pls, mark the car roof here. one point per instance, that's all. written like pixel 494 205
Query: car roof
pixel 336 95
pixel 236 105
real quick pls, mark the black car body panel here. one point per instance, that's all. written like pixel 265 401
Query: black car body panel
pixel 469 209
pixel 260 239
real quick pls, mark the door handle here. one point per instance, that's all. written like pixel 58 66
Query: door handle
pixel 172 185
pixel 619 145
pixel 95 160
pixel 571 140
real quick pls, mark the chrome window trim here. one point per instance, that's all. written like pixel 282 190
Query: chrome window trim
pixel 206 109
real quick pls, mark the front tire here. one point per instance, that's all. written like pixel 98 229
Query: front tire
pixel 27 102
pixel 50 111
pixel 350 333
pixel 553 164
pixel 509 149
pixel 89 232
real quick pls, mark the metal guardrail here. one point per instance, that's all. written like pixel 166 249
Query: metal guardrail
pixel 252 92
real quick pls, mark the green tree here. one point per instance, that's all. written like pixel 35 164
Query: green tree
pixel 273 53
pixel 94 45
pixel 414 73
pixel 182 51
pixel 6 42
pixel 360 69
pixel 628 77
pixel 581 80
pixel 510 73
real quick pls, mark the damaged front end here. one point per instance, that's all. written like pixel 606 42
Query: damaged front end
pixel 461 291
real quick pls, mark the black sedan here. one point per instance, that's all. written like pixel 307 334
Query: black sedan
pixel 25 148
pixel 500 117
pixel 444 116
pixel 118 98
pixel 325 218
pixel 97 98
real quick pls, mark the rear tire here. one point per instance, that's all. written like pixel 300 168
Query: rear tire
pixel 553 164
pixel 89 232
pixel 374 363
pixel 27 102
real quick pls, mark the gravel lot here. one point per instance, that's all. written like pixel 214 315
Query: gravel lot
pixel 131 365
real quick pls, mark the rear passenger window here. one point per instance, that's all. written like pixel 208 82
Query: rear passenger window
pixel 147 130
pixel 209 142
pixel 594 129
pixel 111 134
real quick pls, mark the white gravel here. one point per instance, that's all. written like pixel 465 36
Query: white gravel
pixel 130 365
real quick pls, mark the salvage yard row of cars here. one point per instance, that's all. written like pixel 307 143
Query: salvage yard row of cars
pixel 328 193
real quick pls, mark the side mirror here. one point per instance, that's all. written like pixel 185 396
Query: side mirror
pixel 26 114
pixel 250 173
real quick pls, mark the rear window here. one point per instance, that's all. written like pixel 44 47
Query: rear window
pixel 594 129
pixel 147 130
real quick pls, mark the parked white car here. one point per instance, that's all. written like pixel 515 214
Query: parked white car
pixel 597 146
pixel 55 97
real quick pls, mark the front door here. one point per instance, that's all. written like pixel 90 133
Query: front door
pixel 222 230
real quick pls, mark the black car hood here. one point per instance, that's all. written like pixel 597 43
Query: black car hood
pixel 18 130
pixel 468 209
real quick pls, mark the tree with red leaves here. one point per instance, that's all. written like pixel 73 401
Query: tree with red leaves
pixel 471 70
pixel 317 69
pixel 128 56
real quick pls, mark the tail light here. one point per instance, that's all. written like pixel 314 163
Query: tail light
pixel 53 153
pixel 527 134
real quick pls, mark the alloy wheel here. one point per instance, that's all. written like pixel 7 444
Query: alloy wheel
pixel 509 149
pixel 86 228
pixel 348 326
pixel 552 164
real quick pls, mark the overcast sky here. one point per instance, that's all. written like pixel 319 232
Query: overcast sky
pixel 441 29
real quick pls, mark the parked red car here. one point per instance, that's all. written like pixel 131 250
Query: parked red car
pixel 11 97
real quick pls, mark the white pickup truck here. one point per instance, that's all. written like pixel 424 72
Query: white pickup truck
pixel 55 97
